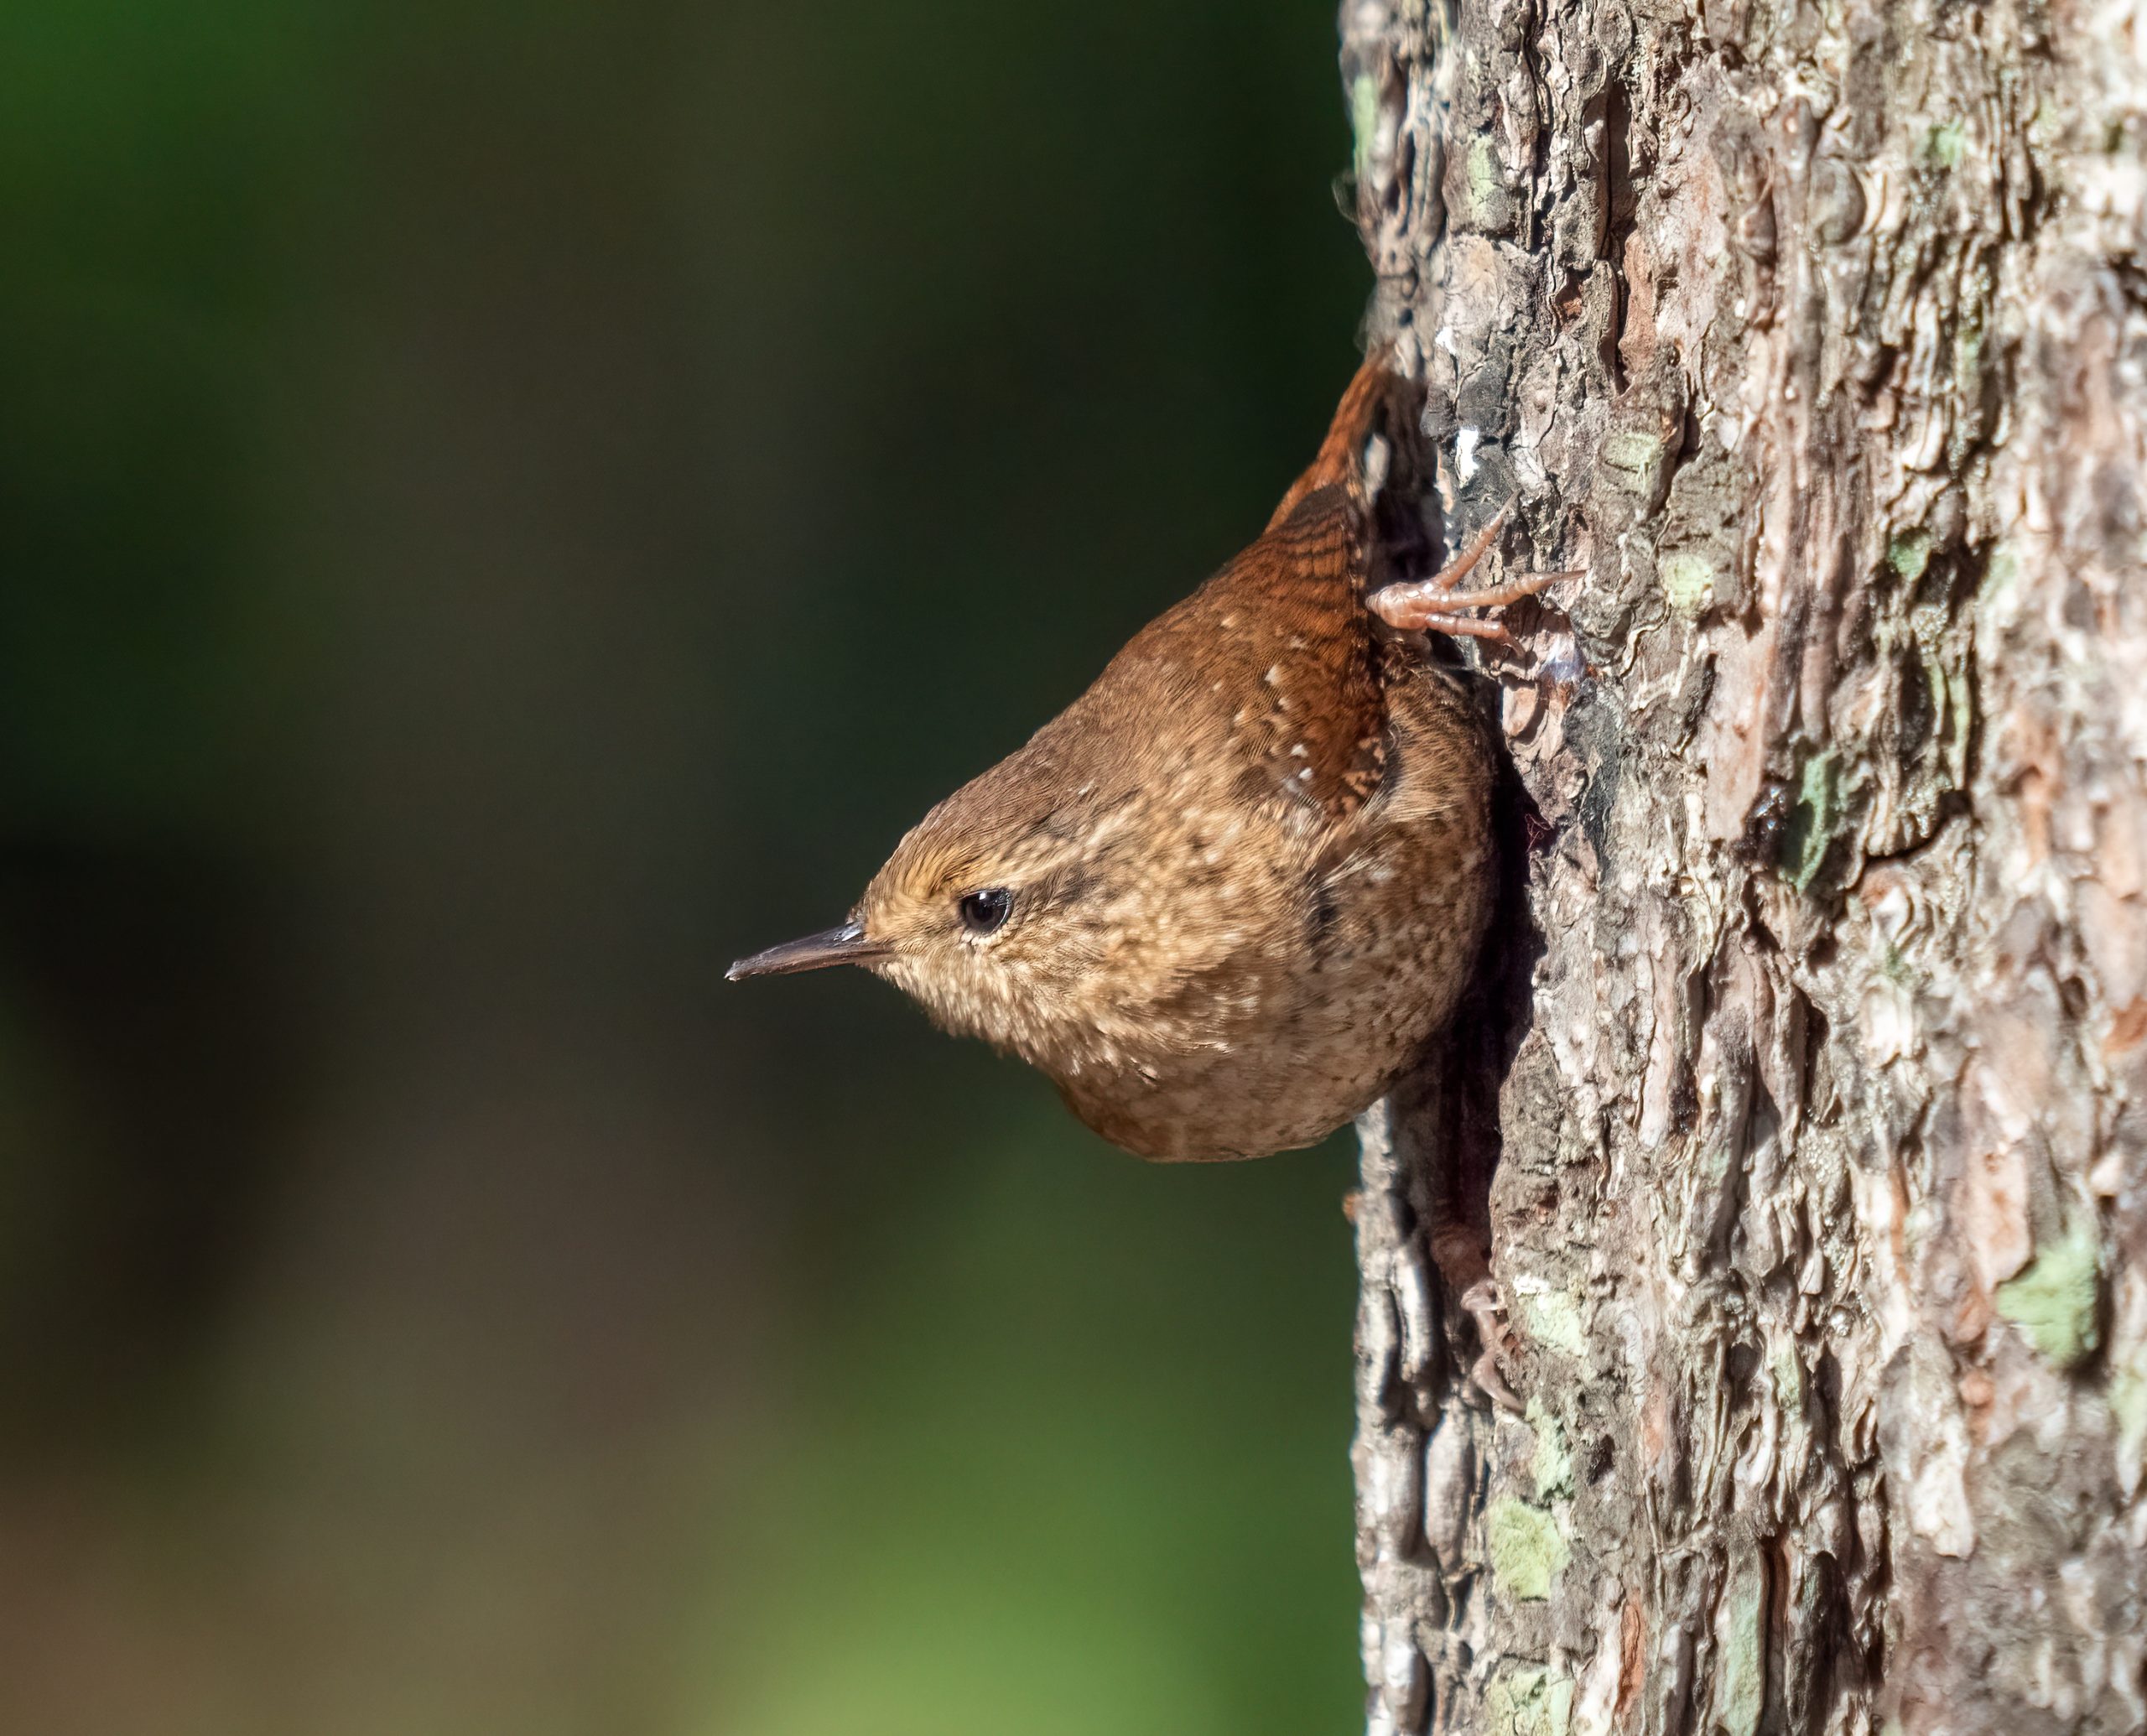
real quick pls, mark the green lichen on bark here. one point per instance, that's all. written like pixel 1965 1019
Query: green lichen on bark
pixel 1554 1459
pixel 1909 553
pixel 1528 1552
pixel 1529 1702
pixel 2054 1300
pixel 1688 582
pixel 1741 1679
pixel 1814 819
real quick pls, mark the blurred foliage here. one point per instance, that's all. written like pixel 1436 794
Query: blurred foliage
pixel 501 509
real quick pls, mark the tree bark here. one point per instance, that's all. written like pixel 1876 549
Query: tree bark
pixel 1804 1095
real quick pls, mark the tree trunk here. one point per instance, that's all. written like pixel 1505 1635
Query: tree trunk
pixel 1811 1055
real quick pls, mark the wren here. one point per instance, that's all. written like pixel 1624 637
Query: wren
pixel 1230 893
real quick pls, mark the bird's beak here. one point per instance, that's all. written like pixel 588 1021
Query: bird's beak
pixel 846 945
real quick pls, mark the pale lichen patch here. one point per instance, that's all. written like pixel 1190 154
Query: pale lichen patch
pixel 1687 581
pixel 1529 1702
pixel 1740 1636
pixel 1553 1316
pixel 1528 1551
pixel 1910 552
pixel 1554 1459
pixel 2054 1300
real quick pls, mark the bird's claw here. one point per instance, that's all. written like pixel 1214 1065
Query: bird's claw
pixel 1432 604
pixel 1482 1303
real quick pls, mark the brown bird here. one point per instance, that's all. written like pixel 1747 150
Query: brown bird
pixel 1224 898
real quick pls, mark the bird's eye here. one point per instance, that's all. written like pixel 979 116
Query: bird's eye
pixel 984 913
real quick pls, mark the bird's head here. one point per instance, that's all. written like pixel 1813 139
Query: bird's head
pixel 1023 909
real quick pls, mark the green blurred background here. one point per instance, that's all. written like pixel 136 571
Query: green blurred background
pixel 503 509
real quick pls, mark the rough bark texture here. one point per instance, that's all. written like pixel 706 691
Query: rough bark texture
pixel 1814 1058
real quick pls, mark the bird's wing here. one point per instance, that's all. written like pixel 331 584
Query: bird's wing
pixel 1280 648
pixel 1277 652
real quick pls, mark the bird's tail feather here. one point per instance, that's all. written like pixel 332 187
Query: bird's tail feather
pixel 1378 401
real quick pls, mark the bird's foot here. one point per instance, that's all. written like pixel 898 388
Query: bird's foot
pixel 1482 1303
pixel 1432 604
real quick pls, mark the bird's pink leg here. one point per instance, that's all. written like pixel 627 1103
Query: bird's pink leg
pixel 1483 1304
pixel 1463 1254
pixel 1432 603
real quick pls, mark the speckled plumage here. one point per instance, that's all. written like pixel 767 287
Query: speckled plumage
pixel 1250 868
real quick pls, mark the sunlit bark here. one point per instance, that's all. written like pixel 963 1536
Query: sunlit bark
pixel 1815 1071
